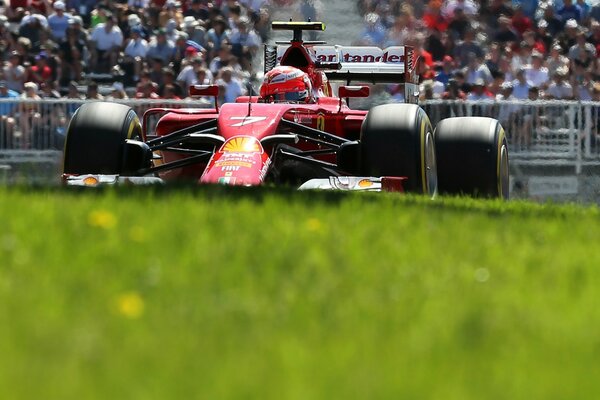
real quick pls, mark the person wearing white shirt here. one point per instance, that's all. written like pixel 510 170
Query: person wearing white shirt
pixel 537 73
pixel 232 85
pixel 107 40
pixel 560 88
pixel 136 50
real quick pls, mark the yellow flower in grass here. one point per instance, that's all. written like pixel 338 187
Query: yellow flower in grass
pixel 102 219
pixel 130 305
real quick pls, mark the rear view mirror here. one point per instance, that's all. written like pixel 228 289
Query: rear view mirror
pixel 204 90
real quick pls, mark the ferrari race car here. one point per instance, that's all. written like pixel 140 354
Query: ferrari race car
pixel 297 132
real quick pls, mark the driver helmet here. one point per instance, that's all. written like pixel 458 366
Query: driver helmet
pixel 286 84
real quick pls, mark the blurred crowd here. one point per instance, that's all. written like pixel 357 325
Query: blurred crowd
pixel 159 47
pixel 494 49
pixel 155 49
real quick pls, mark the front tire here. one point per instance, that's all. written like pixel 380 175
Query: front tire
pixel 472 156
pixel 398 140
pixel 96 137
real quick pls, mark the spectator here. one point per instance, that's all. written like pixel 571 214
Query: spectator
pixel 169 80
pixel 106 41
pixel 195 31
pixel 445 73
pixel 135 52
pixel 14 73
pixel 31 28
pixel 479 91
pixel 232 87
pixel 399 32
pixel 433 17
pixel 469 7
pixel 374 33
pixel 556 60
pixel 555 23
pixel 198 10
pixel 147 90
pixel 29 114
pixel 569 11
pixel 505 33
pixel 520 22
pixel 568 37
pixel 459 25
pixel 526 121
pixel 170 93
pixel 156 70
pixel 73 53
pixel 537 74
pixel 7 116
pixel 41 71
pixel 520 85
pixel 245 43
pixel 59 21
pixel 476 70
pixel 161 47
pixel 93 93
pixel 188 75
pixel 171 11
pixel 465 48
pixel 581 48
pixel 560 88
pixel 117 92
pixel 217 35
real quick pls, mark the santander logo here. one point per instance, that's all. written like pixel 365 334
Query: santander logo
pixel 393 55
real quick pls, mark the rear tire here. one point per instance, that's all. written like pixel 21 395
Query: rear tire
pixel 96 136
pixel 398 140
pixel 472 157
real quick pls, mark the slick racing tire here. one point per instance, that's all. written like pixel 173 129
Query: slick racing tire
pixel 472 157
pixel 96 136
pixel 397 140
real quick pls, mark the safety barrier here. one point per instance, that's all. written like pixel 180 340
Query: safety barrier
pixel 539 132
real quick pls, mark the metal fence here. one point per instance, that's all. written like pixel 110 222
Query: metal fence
pixel 539 132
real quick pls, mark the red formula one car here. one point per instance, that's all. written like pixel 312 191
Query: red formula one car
pixel 297 132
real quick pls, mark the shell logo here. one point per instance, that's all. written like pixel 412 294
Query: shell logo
pixel 365 183
pixel 242 145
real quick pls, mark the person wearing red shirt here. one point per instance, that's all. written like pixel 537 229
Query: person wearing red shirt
pixel 41 71
pixel 433 18
pixel 520 21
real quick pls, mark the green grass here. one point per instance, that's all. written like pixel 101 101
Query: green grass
pixel 270 294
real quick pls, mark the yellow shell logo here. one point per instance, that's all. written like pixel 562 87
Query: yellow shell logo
pixel 365 183
pixel 242 145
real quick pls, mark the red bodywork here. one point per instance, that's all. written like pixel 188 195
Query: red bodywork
pixel 242 160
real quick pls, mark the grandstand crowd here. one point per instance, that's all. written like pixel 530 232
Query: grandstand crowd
pixel 494 49
pixel 156 49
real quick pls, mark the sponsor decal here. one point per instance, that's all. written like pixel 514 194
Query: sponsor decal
pixel 321 122
pixel 234 163
pixel 241 145
pixel 247 120
pixel 354 54
pixel 365 183
pixel 229 168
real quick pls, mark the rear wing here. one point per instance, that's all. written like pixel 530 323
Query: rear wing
pixel 363 64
